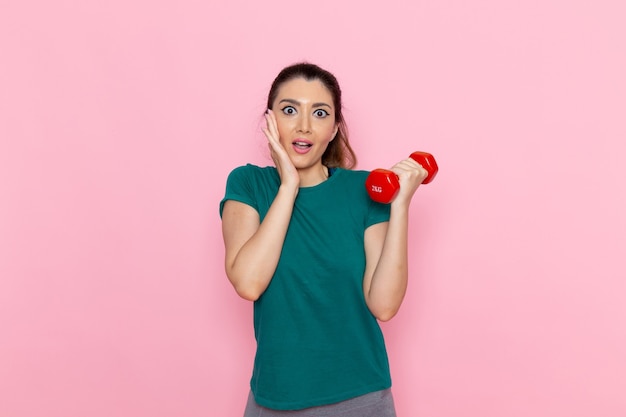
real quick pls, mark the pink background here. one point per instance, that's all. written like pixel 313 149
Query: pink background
pixel 119 122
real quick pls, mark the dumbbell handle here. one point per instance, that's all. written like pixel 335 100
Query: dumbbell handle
pixel 382 184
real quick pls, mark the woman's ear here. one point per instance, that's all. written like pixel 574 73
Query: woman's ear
pixel 335 132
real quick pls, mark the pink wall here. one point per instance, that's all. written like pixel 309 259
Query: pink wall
pixel 120 121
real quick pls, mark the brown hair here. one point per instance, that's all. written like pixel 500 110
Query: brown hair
pixel 339 152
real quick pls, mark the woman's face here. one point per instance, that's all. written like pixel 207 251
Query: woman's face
pixel 305 116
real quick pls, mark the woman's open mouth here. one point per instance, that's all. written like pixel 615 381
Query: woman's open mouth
pixel 301 146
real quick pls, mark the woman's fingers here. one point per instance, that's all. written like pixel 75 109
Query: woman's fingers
pixel 271 132
pixel 286 170
pixel 271 123
pixel 410 174
pixel 409 167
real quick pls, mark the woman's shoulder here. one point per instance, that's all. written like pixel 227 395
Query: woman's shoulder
pixel 253 175
pixel 252 170
pixel 352 174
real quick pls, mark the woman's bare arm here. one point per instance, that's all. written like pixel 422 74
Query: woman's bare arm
pixel 386 248
pixel 253 248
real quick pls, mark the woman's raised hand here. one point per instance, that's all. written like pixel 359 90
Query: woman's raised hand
pixel 286 170
pixel 410 175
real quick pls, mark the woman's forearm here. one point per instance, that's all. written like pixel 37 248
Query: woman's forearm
pixel 389 280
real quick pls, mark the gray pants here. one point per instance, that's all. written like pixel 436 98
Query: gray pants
pixel 375 404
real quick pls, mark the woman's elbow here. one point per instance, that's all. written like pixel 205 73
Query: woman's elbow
pixel 243 287
pixel 247 294
pixel 247 291
pixel 385 315
pixel 383 312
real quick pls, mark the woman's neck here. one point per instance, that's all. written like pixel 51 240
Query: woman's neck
pixel 313 176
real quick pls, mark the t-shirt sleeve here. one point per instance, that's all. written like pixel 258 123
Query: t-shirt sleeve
pixel 377 213
pixel 240 187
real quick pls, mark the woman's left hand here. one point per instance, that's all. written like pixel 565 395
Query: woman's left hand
pixel 410 175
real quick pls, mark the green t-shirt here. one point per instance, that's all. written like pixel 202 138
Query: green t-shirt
pixel 317 341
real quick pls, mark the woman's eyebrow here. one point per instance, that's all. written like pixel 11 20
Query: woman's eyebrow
pixel 297 103
pixel 290 101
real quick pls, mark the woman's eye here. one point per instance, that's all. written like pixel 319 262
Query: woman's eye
pixel 320 113
pixel 289 110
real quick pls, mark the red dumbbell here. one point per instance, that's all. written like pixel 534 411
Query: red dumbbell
pixel 382 184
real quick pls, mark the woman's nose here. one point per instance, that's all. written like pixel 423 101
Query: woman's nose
pixel 304 124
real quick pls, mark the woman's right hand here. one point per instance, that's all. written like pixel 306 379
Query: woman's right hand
pixel 286 170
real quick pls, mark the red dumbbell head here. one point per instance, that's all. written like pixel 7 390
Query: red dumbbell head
pixel 428 162
pixel 382 185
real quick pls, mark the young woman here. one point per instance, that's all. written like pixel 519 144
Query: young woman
pixel 321 261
